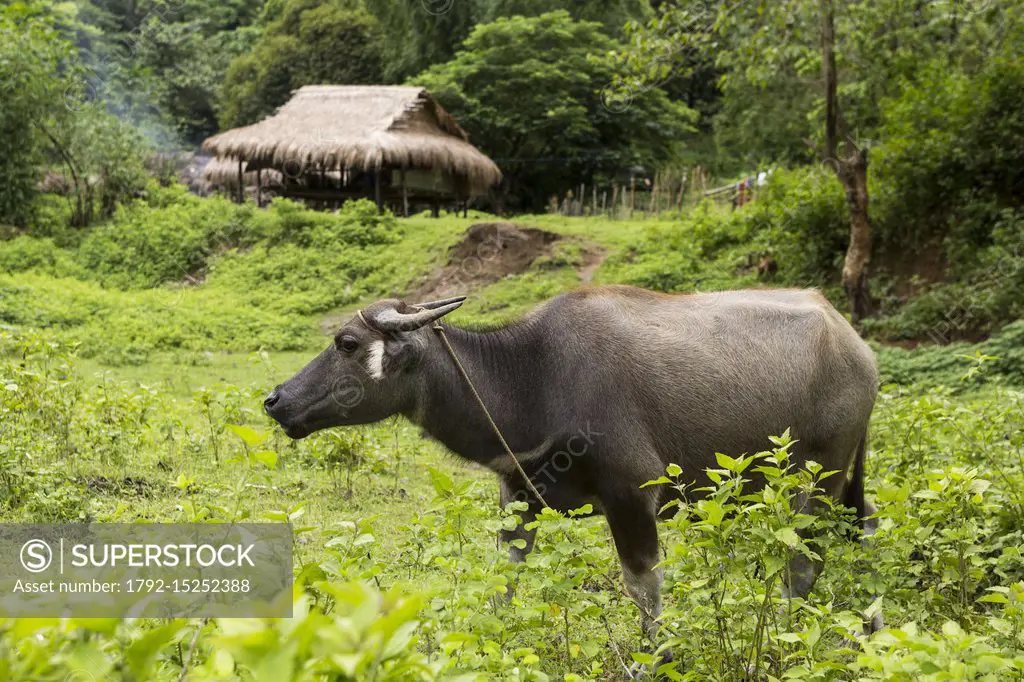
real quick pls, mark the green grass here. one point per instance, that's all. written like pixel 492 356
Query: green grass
pixel 136 425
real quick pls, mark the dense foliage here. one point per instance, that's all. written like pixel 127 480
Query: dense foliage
pixel 399 577
pixel 531 91
pixel 432 33
pixel 50 117
pixel 309 43
pixel 141 326
pixel 130 287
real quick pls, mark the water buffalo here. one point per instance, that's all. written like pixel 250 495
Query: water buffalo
pixel 598 390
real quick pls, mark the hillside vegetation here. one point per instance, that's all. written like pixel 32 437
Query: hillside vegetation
pixel 134 357
pixel 141 326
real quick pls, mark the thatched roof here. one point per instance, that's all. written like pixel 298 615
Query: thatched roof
pixel 358 126
pixel 223 172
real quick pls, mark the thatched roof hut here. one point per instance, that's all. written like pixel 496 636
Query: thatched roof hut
pixel 222 172
pixel 386 132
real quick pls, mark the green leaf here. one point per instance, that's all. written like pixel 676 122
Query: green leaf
pixel 772 565
pixel 725 461
pixel 142 651
pixel 249 435
pixel 713 511
pixel 994 599
pixel 267 458
pixel 643 658
pixel 788 536
pixel 442 482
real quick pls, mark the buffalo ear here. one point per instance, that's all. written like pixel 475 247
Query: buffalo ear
pixel 400 354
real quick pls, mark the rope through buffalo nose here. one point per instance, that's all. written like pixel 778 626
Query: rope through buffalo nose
pixel 439 329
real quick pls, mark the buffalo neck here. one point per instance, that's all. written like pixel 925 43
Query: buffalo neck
pixel 506 366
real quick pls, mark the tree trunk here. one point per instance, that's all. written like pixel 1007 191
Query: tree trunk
pixel 852 171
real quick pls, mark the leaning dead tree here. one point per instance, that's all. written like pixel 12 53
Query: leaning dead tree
pixel 851 167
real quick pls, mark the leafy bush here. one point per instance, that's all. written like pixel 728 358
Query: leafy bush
pixel 23 254
pixel 424 597
pixel 144 247
pixel 948 164
pixel 931 367
pixel 125 327
pixel 798 220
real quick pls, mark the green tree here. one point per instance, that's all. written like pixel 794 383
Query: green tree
pixel 102 155
pixel 50 118
pixel 530 93
pixel 306 44
pixel 31 55
pixel 161 63
pixel 421 33
pixel 613 15
pixel 428 32
pixel 188 63
pixel 802 79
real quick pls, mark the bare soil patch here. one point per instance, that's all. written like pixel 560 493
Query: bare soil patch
pixel 488 252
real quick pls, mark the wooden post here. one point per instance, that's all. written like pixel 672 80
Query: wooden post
pixel 604 197
pixel 435 207
pixel 682 189
pixel 259 187
pixel 405 195
pixel 377 196
pixel 615 199
pixel 632 194
pixel 241 183
pixel 652 205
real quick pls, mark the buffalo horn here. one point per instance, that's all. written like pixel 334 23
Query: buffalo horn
pixel 390 320
pixel 433 305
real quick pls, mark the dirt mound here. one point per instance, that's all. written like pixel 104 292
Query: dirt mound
pixel 488 252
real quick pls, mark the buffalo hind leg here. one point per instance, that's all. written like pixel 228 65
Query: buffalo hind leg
pixel 854 496
pixel 802 572
pixel 633 522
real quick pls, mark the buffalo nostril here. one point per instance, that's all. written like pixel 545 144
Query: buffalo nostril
pixel 271 400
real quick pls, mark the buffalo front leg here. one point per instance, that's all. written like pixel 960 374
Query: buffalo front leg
pixel 513 490
pixel 634 526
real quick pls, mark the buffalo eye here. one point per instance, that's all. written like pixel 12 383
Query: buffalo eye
pixel 347 344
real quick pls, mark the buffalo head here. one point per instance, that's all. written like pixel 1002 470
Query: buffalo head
pixel 364 376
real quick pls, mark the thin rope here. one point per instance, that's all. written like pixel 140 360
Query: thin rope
pixel 469 382
pixel 522 472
